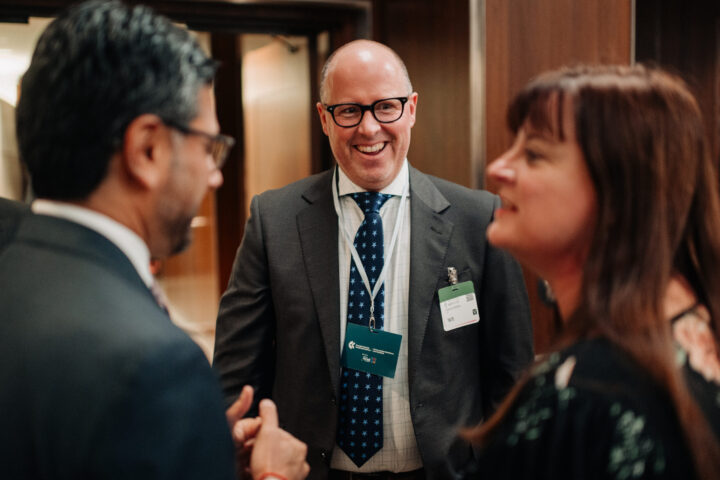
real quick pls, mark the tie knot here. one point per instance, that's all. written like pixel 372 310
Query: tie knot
pixel 370 202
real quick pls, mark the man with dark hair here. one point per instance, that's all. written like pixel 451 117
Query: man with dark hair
pixel 117 126
pixel 366 301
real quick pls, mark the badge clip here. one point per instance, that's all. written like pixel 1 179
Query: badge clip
pixel 371 323
pixel 452 276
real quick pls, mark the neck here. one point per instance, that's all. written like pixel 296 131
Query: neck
pixel 565 280
pixel 121 205
pixel 567 294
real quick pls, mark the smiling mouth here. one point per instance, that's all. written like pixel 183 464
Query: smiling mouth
pixel 371 149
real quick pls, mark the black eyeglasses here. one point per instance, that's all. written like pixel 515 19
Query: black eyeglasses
pixel 386 110
pixel 219 145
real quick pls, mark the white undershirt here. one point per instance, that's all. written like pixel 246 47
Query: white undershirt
pixel 400 452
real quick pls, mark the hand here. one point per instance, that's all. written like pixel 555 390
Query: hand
pixel 275 450
pixel 243 430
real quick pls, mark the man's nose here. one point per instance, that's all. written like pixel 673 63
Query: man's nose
pixel 368 124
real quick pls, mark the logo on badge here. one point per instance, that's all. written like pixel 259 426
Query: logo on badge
pixel 351 345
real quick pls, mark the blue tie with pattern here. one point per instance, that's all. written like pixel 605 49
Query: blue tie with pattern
pixel 360 421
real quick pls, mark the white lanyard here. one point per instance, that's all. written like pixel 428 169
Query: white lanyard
pixel 348 239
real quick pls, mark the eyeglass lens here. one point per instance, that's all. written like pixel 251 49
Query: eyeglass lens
pixel 220 147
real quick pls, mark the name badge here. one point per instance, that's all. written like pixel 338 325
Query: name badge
pixel 371 351
pixel 458 306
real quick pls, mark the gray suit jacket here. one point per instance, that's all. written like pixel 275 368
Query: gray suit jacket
pixel 279 328
pixel 96 381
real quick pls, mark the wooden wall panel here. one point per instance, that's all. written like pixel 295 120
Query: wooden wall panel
pixel 684 37
pixel 433 39
pixel 526 37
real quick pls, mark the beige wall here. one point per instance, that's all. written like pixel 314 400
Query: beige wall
pixel 11 177
pixel 276 101
pixel 17 41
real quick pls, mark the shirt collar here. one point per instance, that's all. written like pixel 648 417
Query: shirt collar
pixel 125 239
pixel 396 187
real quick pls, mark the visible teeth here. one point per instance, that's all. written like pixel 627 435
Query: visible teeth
pixel 371 148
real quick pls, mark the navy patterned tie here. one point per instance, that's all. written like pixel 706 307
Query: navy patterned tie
pixel 360 421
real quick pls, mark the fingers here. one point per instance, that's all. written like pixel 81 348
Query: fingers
pixel 241 406
pixel 245 430
pixel 277 451
pixel 268 413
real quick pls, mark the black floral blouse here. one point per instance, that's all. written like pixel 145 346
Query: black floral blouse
pixel 589 412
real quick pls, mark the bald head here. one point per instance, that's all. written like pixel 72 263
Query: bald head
pixel 361 54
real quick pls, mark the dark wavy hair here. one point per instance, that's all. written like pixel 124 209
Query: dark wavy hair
pixel 97 67
pixel 643 139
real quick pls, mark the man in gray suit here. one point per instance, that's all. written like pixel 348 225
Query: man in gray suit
pixel 116 124
pixel 376 352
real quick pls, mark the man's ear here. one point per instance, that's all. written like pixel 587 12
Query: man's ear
pixel 412 107
pixel 323 118
pixel 146 150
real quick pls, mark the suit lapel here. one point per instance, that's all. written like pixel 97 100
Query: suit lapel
pixel 429 238
pixel 318 230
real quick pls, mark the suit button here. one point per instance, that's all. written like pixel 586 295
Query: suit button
pixel 333 400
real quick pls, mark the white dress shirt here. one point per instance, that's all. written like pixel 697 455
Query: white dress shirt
pixel 400 452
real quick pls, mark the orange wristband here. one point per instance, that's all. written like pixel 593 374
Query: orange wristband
pixel 272 475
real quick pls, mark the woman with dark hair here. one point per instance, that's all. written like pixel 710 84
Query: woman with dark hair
pixel 609 193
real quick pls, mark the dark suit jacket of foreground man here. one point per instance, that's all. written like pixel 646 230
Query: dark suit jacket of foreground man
pixel 11 213
pixel 96 381
pixel 281 310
